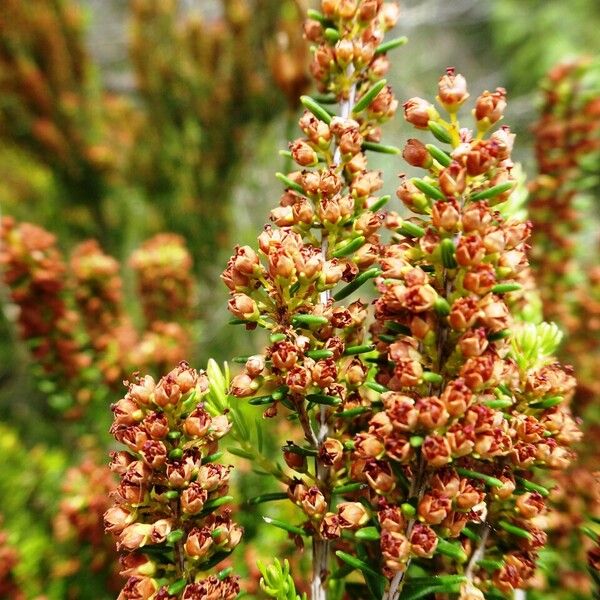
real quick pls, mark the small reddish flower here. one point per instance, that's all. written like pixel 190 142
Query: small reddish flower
pixel 423 541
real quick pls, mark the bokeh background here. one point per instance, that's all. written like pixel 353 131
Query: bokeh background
pixel 121 120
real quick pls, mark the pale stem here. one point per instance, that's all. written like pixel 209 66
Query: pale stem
pixel 393 592
pixel 479 552
pixel 321 547
pixel 418 484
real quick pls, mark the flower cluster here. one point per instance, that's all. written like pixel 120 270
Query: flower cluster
pixel 574 500
pixel 322 246
pixel 567 138
pixel 249 55
pixel 81 338
pixel 97 290
pixel 98 287
pixel 49 107
pixel 163 267
pixel 34 271
pixel 167 292
pixel 85 497
pixel 567 151
pixel 474 401
pixel 168 518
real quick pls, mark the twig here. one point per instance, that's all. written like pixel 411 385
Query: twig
pixel 479 552
pixel 320 546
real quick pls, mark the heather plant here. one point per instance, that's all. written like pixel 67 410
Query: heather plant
pixel 561 202
pixel 82 340
pixel 475 412
pixel 430 440
pixel 86 554
pixel 97 290
pixel 52 106
pixel 34 271
pixel 326 233
pixel 169 516
pixel 567 139
pixel 204 82
pixel 165 286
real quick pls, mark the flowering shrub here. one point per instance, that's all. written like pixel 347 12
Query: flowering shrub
pixel 169 519
pixel 326 232
pixel 561 197
pixel 475 405
pixel 85 550
pixel 83 342
pixel 407 409
pixel 428 438
pixel 202 79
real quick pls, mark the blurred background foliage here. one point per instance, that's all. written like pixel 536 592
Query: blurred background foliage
pixel 120 120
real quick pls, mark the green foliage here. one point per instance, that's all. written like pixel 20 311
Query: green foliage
pixel 531 37
pixel 277 582
pixel 533 344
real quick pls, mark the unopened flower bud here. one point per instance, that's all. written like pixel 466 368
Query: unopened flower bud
pixel 416 154
pixel 303 154
pixel 294 460
pixel 419 112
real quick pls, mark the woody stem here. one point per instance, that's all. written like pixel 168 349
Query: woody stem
pixel 321 546
pixel 178 548
pixel 479 552
pixel 418 484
